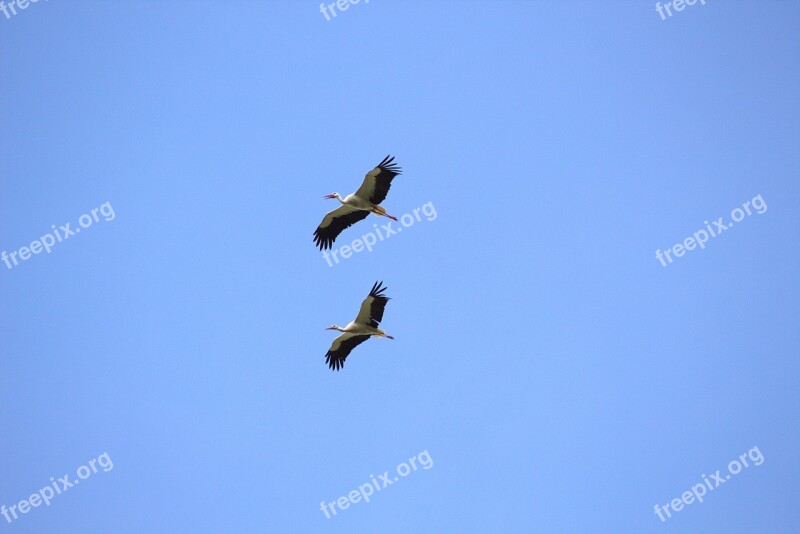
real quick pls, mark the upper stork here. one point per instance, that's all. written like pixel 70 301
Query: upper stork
pixel 359 330
pixel 359 205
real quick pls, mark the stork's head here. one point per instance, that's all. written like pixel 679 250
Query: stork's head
pixel 332 195
pixel 333 327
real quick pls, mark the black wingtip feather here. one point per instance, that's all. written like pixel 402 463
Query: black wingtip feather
pixel 334 364
pixel 388 165
pixel 377 290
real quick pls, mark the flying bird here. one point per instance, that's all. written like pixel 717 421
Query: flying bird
pixel 359 205
pixel 359 330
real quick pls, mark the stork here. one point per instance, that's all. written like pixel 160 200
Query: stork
pixel 358 205
pixel 361 329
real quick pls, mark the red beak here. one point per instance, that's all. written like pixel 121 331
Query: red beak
pixel 329 196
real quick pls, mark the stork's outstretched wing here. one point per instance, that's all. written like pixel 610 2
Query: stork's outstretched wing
pixel 378 181
pixel 341 348
pixel 371 311
pixel 335 222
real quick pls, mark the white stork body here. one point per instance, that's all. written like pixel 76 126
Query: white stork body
pixel 357 206
pixel 359 330
pixel 355 201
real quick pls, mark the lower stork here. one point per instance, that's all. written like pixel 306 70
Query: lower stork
pixel 361 329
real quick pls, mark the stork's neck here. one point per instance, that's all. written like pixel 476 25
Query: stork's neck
pixel 339 198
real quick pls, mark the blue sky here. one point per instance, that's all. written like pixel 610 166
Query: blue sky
pixel 559 377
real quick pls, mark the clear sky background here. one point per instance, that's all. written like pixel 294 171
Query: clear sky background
pixel 561 379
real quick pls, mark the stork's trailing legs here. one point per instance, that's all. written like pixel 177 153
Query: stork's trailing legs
pixel 381 212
